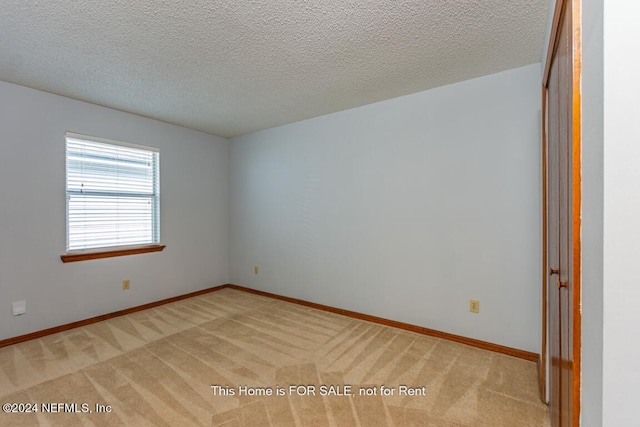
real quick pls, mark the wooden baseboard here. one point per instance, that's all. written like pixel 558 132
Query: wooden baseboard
pixel 521 354
pixel 66 327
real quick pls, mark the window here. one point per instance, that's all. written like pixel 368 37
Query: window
pixel 113 197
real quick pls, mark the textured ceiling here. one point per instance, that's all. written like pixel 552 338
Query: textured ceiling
pixel 230 67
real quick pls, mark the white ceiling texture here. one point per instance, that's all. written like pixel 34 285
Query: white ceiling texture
pixel 230 67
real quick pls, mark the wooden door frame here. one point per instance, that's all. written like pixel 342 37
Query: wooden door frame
pixel 576 196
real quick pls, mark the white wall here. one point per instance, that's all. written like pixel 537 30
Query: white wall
pixel 403 209
pixel 611 214
pixel 621 244
pixel 547 35
pixel 592 213
pixel 194 213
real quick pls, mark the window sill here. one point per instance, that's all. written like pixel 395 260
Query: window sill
pixel 85 256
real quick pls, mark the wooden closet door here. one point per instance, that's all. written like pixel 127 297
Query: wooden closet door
pixel 562 204
pixel 564 281
pixel 553 240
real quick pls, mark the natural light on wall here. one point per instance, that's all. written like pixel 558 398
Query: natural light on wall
pixel 113 197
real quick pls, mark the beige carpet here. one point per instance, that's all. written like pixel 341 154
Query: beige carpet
pixel 156 367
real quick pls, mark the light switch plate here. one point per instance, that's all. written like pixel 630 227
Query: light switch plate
pixel 19 307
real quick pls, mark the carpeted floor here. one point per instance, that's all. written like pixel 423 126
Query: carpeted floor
pixel 157 367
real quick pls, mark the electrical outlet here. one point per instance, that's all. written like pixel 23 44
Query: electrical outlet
pixel 126 284
pixel 256 270
pixel 474 306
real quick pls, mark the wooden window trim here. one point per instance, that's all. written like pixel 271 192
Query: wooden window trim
pixel 85 256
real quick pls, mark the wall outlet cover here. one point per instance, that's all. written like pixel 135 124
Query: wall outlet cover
pixel 474 306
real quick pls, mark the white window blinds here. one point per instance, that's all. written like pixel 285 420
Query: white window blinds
pixel 113 196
